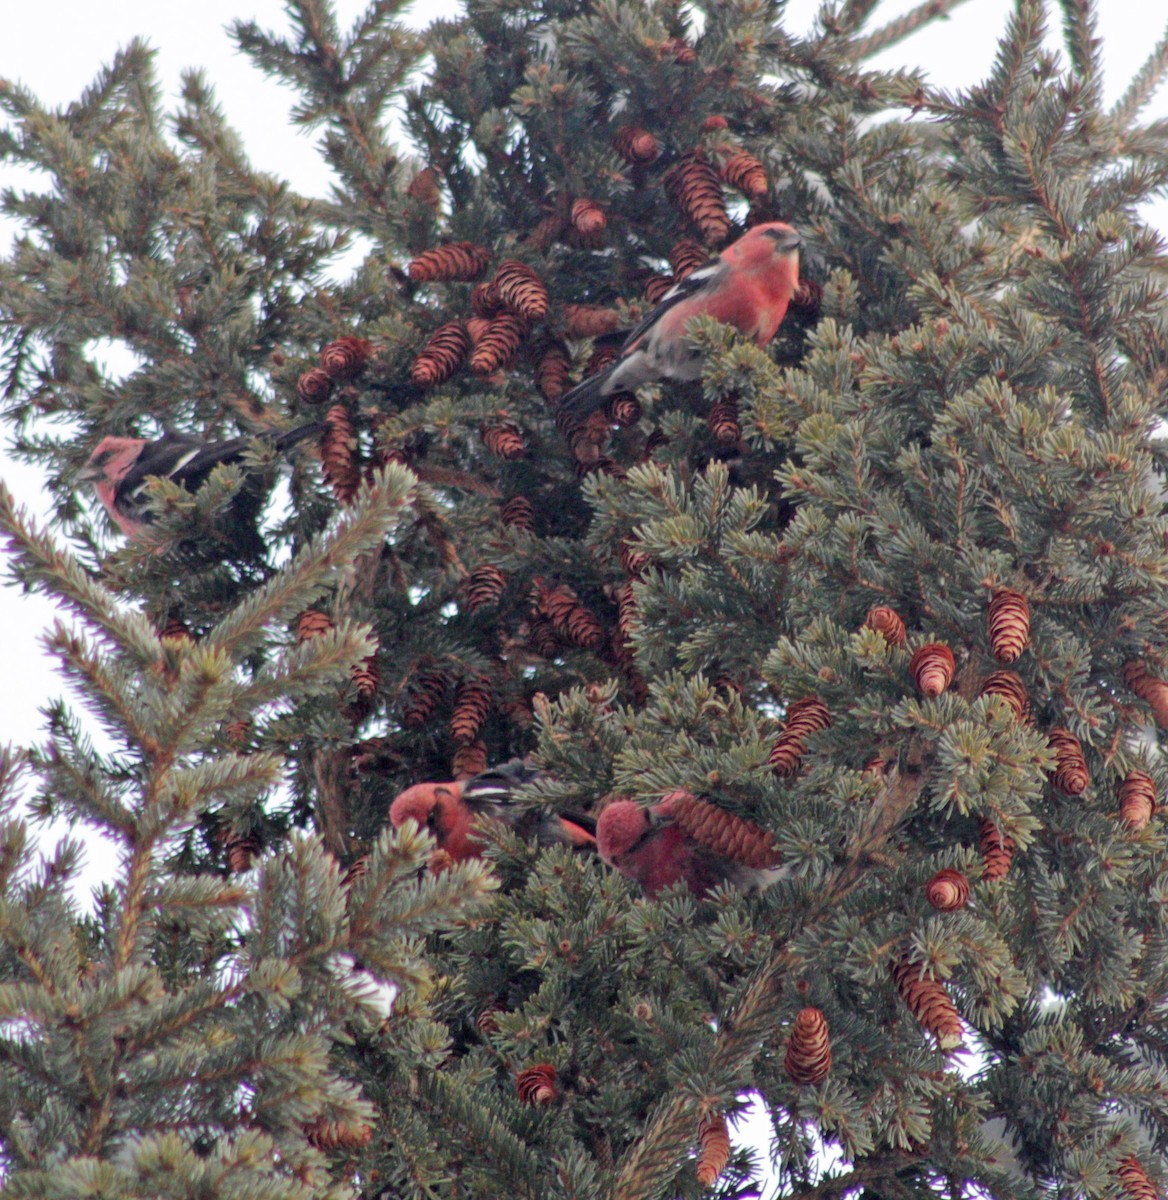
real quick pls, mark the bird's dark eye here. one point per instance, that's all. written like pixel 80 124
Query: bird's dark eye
pixel 432 818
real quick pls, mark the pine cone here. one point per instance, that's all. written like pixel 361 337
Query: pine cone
pixel 455 260
pixel 807 297
pixel 240 849
pixel 337 1135
pixel 485 300
pixel 424 188
pixel 346 357
pixel 948 890
pixel 175 629
pixel 623 409
pixel 694 190
pixel 1135 1181
pixel 1011 689
pixel 626 613
pixel 469 761
pixel 338 460
pixel 1070 767
pixel 677 49
pixel 714 122
pixel 541 637
pixel 483 586
pixel 601 357
pixel 570 619
pixel 997 850
pixel 588 218
pixel 237 733
pixel 742 171
pixel 587 436
pixel 1137 799
pixel 487 1022
pixel 804 717
pixel 1149 688
pixel 589 320
pixel 314 386
pixel 472 702
pixel 504 440
pixel 723 421
pixel 519 513
pixel 427 691
pixel 538 1084
pixel 366 677
pixel 636 144
pixel 1009 624
pixel 808 1057
pixel 634 561
pixel 312 623
pixel 551 372
pixel 888 622
pixel 522 290
pixel 496 348
pixel 929 1003
pixel 656 286
pixel 686 256
pixel 731 836
pixel 932 668
pixel 714 1154
pixel 444 352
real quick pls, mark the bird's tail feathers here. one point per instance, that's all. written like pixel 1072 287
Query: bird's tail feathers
pixel 588 396
pixel 290 438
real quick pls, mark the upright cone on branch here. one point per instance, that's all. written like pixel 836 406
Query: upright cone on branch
pixel 338 457
pixel 808 1056
pixel 444 352
pixel 932 668
pixel 694 189
pixel 997 850
pixel 714 1149
pixel 522 290
pixel 454 261
pixel 1137 799
pixel 1009 624
pixel 929 1003
pixel 804 717
pixel 1070 767
pixel 887 622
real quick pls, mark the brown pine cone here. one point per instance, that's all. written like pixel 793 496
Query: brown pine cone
pixel 730 836
pixel 677 49
pixel 519 513
pixel 1135 1181
pixel 472 703
pixel 485 300
pixel 337 1135
pixel 538 1084
pixel 504 440
pixel 932 668
pixel 948 890
pixel 997 850
pixel 714 1140
pixel 1009 624
pixel 623 409
pixel 807 297
pixel 495 349
pixel 723 421
pixel 551 371
pixel 240 849
pixel 694 190
pixel 1011 689
pixel 585 436
pixel 177 629
pixel 636 144
pixel 887 621
pixel 312 623
pixel 346 357
pixel 589 320
pixel 808 1056
pixel 714 122
pixel 237 733
pixel 338 458
pixel 588 218
pixel 634 561
pixel 1070 767
pixel 1149 688
pixel 427 690
pixel 444 352
pixel 686 256
pixel 483 586
pixel 929 1003
pixel 743 172
pixel 541 636
pixel 455 260
pixel 468 762
pixel 424 188
pixel 656 286
pixel 626 610
pixel 366 677
pixel 522 290
pixel 570 619
pixel 1137 799
pixel 804 717
pixel 314 386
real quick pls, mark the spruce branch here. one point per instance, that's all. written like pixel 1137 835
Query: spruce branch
pixel 902 27
pixel 1083 45
pixel 1143 86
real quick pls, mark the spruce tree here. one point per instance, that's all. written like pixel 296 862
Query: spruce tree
pixel 890 594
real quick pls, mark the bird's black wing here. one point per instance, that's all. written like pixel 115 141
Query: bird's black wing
pixel 695 281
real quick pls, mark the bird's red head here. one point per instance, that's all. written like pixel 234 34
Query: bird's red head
pixel 106 467
pixel 619 828
pixel 438 807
